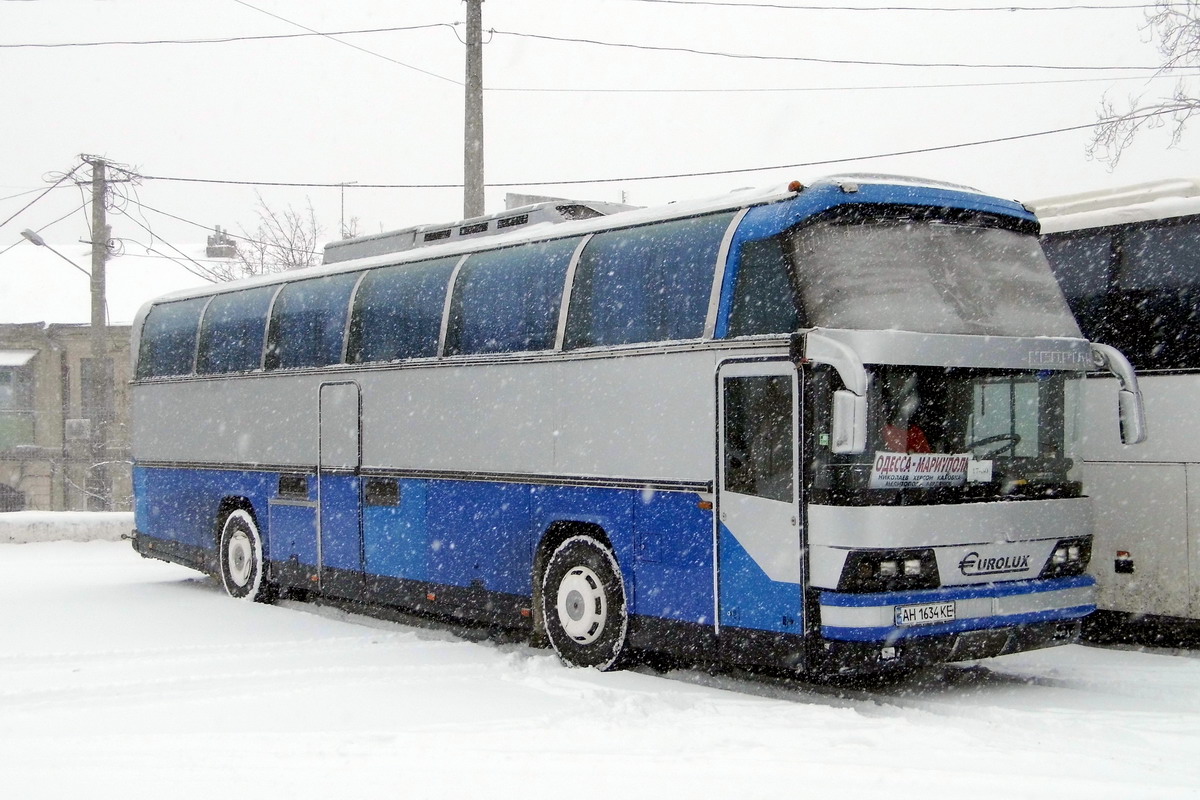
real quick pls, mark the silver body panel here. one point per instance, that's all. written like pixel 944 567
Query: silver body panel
pixel 644 416
pixel 956 350
pixel 961 535
pixel 1147 497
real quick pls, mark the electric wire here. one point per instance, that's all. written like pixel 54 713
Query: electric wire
pixel 836 61
pixel 204 271
pixel 808 89
pixel 40 196
pixel 20 194
pixel 632 178
pixel 350 44
pixel 227 233
pixel 222 39
pixel 932 9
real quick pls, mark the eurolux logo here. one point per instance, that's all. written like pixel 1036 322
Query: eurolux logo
pixel 973 564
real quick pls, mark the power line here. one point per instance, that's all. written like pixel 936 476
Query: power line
pixel 40 196
pixel 932 9
pixel 86 203
pixel 349 44
pixel 231 235
pixel 154 236
pixel 884 87
pixel 814 60
pixel 20 194
pixel 631 178
pixel 224 39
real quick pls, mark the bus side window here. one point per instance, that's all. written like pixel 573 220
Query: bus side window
pixel 398 312
pixel 758 436
pixel 1082 265
pixel 308 322
pixel 1156 296
pixel 645 284
pixel 507 301
pixel 232 333
pixel 764 300
pixel 168 341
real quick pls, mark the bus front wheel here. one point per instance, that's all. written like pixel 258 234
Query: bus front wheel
pixel 241 556
pixel 583 604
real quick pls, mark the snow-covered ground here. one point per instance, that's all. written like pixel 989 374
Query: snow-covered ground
pixel 121 677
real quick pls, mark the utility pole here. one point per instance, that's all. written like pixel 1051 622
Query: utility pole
pixel 473 129
pixel 100 382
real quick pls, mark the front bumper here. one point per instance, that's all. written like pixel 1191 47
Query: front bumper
pixel 872 617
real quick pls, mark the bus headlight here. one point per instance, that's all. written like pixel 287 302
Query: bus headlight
pixel 1069 557
pixel 889 571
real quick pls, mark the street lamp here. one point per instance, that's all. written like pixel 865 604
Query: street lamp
pixel 97 383
pixel 35 238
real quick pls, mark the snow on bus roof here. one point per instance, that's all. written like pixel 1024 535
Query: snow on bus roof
pixel 1137 203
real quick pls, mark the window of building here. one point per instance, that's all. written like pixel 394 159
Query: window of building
pixel 168 340
pixel 507 301
pixel 645 284
pixel 398 312
pixel 233 330
pixel 16 401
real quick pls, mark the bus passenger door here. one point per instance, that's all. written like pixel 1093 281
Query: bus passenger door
pixel 339 497
pixel 760 592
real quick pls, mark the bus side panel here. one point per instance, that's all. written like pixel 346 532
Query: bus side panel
pixel 396 538
pixel 751 600
pixel 181 505
pixel 341 541
pixel 1141 510
pixel 609 509
pixel 480 535
pixel 674 563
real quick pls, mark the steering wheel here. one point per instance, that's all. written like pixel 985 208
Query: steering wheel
pixel 1011 440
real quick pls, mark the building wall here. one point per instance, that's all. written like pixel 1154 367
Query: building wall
pixel 38 457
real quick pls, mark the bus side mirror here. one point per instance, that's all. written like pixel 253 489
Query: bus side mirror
pixel 1131 410
pixel 849 422
pixel 849 434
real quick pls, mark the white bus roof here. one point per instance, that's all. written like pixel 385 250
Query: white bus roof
pixel 1138 203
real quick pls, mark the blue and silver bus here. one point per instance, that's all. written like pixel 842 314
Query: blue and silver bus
pixel 822 428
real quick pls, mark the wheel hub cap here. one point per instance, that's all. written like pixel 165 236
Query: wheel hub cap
pixel 240 558
pixel 581 605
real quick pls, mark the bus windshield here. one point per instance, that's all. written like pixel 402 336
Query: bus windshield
pixel 956 435
pixel 927 276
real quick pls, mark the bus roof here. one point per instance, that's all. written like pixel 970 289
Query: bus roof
pixel 1137 203
pixel 856 189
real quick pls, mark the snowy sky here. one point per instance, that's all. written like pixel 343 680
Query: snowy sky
pixel 315 110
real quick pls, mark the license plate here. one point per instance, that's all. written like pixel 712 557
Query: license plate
pixel 925 613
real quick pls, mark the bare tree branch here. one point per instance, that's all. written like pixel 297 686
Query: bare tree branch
pixel 1176 27
pixel 285 239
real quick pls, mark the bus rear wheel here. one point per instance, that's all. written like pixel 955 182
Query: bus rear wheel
pixel 241 556
pixel 583 604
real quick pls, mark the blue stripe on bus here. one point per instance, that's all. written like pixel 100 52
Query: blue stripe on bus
pixel 470 534
pixel 892 633
pixel 1007 589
